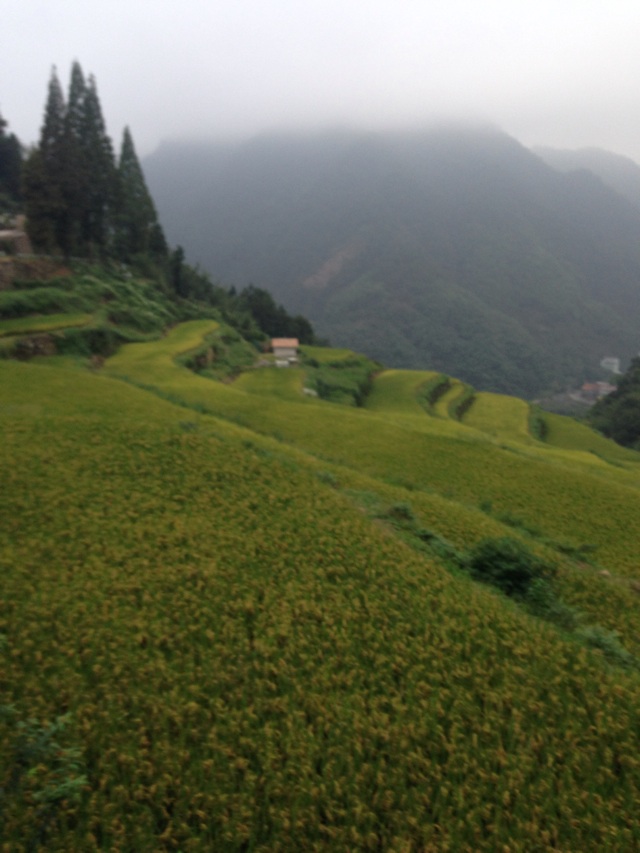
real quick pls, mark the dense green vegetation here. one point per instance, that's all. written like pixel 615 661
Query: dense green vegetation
pixel 79 200
pixel 618 414
pixel 338 376
pixel 235 616
pixel 10 169
pixel 91 309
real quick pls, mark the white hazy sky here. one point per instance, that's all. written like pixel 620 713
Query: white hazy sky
pixel 558 72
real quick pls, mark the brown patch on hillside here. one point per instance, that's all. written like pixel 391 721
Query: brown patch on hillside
pixel 331 267
pixel 33 345
pixel 12 269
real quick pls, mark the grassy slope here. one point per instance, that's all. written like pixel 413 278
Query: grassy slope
pixel 250 663
pixel 453 471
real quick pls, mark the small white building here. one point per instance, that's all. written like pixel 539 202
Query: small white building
pixel 612 364
pixel 285 351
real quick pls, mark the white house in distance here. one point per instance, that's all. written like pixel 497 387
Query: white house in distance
pixel 285 351
pixel 612 364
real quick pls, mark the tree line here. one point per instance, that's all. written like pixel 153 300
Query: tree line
pixel 79 198
pixel 83 201
pixel 10 168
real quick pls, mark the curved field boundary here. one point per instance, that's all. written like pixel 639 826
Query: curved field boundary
pixel 397 397
pixel 395 391
pixel 499 415
pixel 444 407
pixel 568 434
pixel 416 452
pixel 395 431
pixel 156 357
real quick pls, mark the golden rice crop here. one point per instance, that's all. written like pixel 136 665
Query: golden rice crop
pixel 274 381
pixel 395 391
pixel 25 325
pixel 442 406
pixel 549 489
pixel 499 415
pixel 327 355
pixel 569 434
pixel 250 663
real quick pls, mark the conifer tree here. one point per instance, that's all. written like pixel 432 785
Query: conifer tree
pixel 70 177
pixel 137 228
pixel 77 200
pixel 74 162
pixel 89 168
pixel 10 164
pixel 44 178
pixel 100 187
pixel 52 131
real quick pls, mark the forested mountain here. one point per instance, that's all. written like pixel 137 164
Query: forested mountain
pixel 455 249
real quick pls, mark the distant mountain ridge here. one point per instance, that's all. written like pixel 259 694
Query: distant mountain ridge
pixel 454 249
pixel 620 173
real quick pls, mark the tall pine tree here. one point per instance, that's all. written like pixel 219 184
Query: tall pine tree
pixel 74 163
pixel 137 228
pixel 44 177
pixel 89 167
pixel 100 169
pixel 78 201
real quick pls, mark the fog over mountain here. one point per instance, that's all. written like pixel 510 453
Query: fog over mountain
pixel 556 73
pixel 620 173
pixel 454 248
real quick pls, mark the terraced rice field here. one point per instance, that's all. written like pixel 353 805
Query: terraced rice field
pixel 500 416
pixel 396 392
pixel 445 404
pixel 248 662
pixel 569 434
pixel 326 355
pixel 50 322
pixel 287 383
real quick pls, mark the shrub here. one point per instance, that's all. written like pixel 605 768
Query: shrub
pixel 401 512
pixel 42 300
pixel 506 564
pixel 608 642
pixel 88 341
pixel 544 603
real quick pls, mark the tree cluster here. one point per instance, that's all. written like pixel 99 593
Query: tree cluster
pixel 80 200
pixel 272 318
pixel 10 167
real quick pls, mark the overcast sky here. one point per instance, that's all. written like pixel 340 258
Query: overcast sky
pixel 558 72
